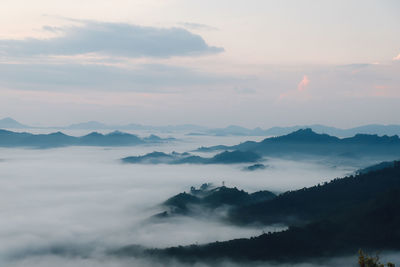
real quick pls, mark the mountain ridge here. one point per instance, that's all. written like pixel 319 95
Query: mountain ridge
pixel 366 219
pixel 230 130
pixel 59 139
pixel 306 142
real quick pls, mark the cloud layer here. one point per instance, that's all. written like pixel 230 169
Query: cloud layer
pixel 98 77
pixel 115 39
pixel 81 201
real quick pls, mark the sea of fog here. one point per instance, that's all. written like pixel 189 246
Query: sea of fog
pixel 65 206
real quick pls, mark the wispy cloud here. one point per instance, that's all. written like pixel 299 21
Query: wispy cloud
pixel 197 26
pixel 98 77
pixel 396 57
pixel 115 39
pixel 303 84
pixel 301 93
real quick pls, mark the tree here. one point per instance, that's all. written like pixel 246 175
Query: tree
pixel 365 260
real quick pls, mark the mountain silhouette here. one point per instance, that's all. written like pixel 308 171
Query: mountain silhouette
pixel 226 157
pixel 306 142
pixel 59 139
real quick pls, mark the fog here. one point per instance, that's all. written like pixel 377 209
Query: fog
pixel 66 206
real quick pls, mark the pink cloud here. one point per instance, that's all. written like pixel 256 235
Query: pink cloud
pixel 301 93
pixel 397 57
pixel 284 95
pixel 381 87
pixel 303 84
pixel 383 91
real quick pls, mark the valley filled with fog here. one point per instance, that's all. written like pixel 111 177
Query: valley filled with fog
pixel 74 203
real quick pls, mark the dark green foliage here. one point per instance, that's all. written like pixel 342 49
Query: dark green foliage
pixel 209 198
pixel 337 218
pixel 370 261
pixel 180 202
pixel 316 202
pixel 342 234
pixel 376 167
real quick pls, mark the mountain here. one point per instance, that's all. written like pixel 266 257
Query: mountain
pixel 255 167
pixel 372 226
pixel 334 219
pixel 300 206
pixel 95 125
pixel 90 125
pixel 59 139
pixel 375 167
pixel 9 123
pixel 306 142
pixel 231 130
pixel 322 129
pixel 234 130
pixel 208 198
pixel 226 157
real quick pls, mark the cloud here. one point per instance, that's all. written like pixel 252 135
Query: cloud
pixel 396 58
pixel 301 93
pixel 140 78
pixel 303 84
pixel 197 26
pixel 115 39
pixel 82 201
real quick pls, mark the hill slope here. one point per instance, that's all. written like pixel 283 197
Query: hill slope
pixel 333 219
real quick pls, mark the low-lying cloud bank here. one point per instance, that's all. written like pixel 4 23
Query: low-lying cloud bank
pixel 82 199
pixel 101 260
pixel 148 78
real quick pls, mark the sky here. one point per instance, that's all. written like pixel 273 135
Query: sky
pixel 215 63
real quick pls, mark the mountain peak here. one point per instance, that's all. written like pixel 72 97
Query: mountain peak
pixel 8 119
pixel 305 135
pixel 11 123
pixel 304 131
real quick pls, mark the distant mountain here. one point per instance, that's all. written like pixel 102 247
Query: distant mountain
pixel 305 142
pixel 95 125
pixel 90 125
pixel 226 157
pixel 234 130
pixel 255 167
pixel 59 139
pixel 334 219
pixel 237 130
pixel 375 129
pixel 9 123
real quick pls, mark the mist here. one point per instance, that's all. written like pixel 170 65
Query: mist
pixel 68 206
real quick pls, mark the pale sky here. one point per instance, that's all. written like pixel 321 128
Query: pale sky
pixel 221 62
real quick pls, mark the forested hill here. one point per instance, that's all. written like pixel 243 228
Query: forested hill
pixel 317 202
pixel 371 226
pixel 333 219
